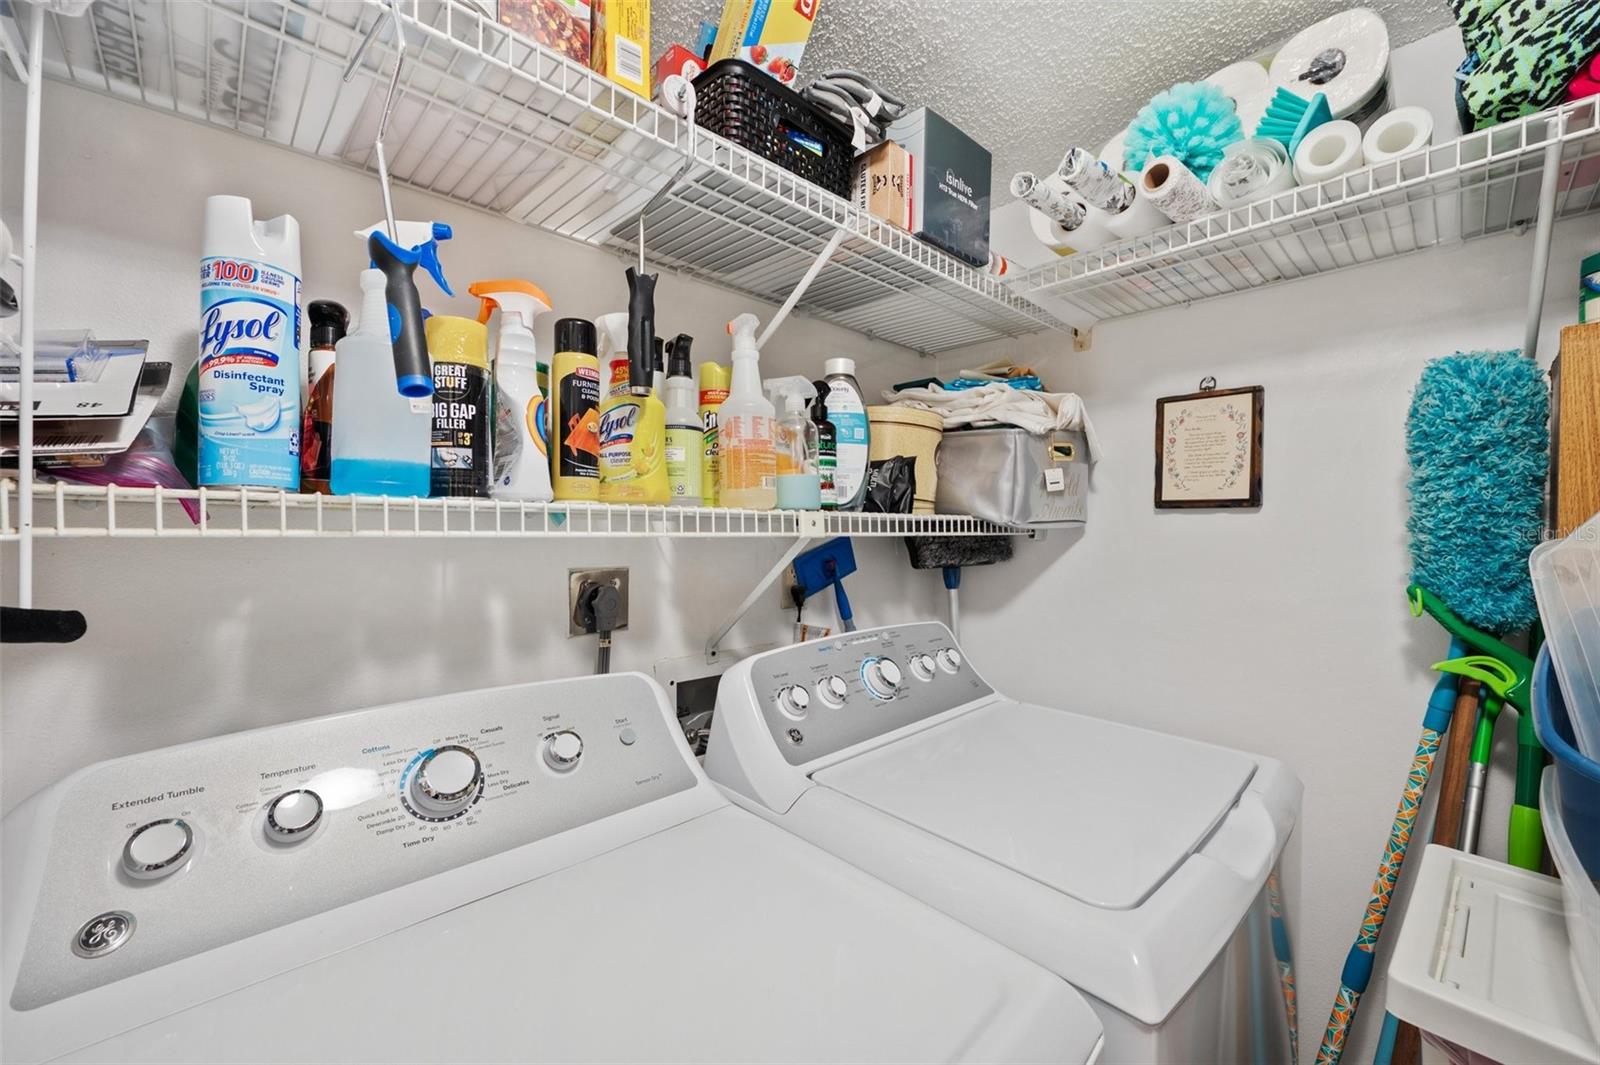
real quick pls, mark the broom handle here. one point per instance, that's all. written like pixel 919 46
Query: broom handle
pixel 1358 963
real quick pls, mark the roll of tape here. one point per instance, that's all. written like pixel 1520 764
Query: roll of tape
pixel 1091 234
pixel 1173 190
pixel 1400 132
pixel 1332 149
pixel 1345 57
pixel 1250 170
pixel 1250 88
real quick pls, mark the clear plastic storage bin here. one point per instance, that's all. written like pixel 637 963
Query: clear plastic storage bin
pixel 1566 581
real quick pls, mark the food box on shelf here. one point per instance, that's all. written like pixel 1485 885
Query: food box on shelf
pixel 560 25
pixel 619 48
pixel 769 34
pixel 881 184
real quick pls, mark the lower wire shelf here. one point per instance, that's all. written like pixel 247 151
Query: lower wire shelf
pixel 72 511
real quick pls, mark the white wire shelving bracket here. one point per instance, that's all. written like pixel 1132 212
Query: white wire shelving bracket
pixel 1486 182
pixel 487 118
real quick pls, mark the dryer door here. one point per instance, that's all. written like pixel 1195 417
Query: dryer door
pixel 1100 811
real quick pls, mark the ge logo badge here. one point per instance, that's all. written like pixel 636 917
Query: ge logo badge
pixel 796 737
pixel 103 934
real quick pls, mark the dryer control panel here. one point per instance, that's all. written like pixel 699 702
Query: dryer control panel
pixel 160 856
pixel 821 697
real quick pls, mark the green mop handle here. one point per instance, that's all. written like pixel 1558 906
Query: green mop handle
pixel 1525 837
pixel 1358 963
pixel 1498 678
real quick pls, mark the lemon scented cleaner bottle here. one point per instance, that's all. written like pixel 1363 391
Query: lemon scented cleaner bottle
pixel 633 427
pixel 747 459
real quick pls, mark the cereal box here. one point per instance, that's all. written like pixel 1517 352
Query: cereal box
pixel 620 43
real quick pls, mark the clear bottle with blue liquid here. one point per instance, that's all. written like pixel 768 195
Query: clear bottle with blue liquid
pixel 381 440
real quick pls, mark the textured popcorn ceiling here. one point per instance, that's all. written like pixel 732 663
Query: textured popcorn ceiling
pixel 1027 78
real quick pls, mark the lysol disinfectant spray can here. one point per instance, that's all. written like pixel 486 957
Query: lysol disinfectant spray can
pixel 250 374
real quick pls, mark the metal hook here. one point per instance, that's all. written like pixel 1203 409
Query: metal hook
pixel 1208 383
pixel 390 14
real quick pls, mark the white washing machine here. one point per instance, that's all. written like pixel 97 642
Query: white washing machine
pixel 531 873
pixel 1138 866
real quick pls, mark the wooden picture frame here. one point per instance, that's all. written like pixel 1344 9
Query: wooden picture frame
pixel 1208 448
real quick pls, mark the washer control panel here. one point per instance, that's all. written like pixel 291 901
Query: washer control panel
pixel 163 855
pixel 823 696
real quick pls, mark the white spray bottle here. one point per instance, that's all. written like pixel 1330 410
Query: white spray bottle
pixel 521 448
pixel 748 463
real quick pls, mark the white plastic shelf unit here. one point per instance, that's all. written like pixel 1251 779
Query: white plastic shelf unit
pixel 490 119
pixel 1477 185
pixel 68 511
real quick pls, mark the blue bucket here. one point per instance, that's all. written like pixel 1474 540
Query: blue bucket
pixel 1577 777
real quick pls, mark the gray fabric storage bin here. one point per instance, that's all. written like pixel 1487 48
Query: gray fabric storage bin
pixel 1009 475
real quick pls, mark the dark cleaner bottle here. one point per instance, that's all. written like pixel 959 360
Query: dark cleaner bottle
pixel 329 323
pixel 827 445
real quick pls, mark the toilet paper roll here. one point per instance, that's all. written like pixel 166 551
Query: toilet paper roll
pixel 1345 57
pixel 1250 170
pixel 1400 132
pixel 1096 181
pixel 1049 197
pixel 1173 190
pixel 1332 149
pixel 1140 218
pixel 1089 235
pixel 1250 88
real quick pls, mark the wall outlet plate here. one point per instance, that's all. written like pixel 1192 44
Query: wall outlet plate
pixel 616 576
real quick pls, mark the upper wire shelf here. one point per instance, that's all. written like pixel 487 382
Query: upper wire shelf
pixel 486 117
pixel 1483 183
pixel 73 511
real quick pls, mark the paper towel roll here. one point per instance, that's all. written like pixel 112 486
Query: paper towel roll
pixel 1247 84
pixel 1049 197
pixel 1400 132
pixel 1097 182
pixel 1173 190
pixel 1086 237
pixel 1345 57
pixel 1250 170
pixel 1332 149
pixel 1140 218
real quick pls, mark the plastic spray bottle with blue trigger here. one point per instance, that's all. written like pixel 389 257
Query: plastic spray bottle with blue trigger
pixel 415 244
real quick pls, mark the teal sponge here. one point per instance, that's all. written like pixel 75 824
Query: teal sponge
pixel 1478 439
pixel 1192 120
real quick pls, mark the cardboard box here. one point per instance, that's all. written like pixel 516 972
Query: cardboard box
pixel 677 60
pixel 560 25
pixel 881 184
pixel 950 175
pixel 769 34
pixel 619 33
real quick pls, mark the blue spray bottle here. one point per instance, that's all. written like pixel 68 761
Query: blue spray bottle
pixel 414 244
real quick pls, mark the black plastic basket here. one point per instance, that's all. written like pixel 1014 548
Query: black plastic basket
pixel 756 111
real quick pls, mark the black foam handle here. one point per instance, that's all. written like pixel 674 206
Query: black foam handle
pixel 641 329
pixel 413 373
pixel 40 626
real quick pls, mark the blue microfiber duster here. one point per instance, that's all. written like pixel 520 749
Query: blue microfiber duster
pixel 1192 120
pixel 1478 440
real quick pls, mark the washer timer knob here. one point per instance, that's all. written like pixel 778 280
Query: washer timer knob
pixel 832 691
pixel 158 849
pixel 950 660
pixel 293 816
pixel 562 750
pixel 882 676
pixel 922 666
pixel 446 781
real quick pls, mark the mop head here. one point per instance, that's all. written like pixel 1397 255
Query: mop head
pixel 937 552
pixel 1478 439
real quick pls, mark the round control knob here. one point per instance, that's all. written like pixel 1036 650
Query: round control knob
pixel 562 750
pixel 883 677
pixel 950 660
pixel 446 781
pixel 293 816
pixel 794 701
pixel 832 691
pixel 158 849
pixel 922 667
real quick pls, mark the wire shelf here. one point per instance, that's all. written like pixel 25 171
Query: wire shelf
pixel 72 511
pixel 487 118
pixel 1477 185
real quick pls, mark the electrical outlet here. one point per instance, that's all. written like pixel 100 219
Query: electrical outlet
pixel 786 582
pixel 616 576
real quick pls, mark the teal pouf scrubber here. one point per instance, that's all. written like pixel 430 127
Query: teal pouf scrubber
pixel 1192 121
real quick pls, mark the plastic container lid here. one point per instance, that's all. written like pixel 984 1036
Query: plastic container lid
pixel 576 334
pixel 839 364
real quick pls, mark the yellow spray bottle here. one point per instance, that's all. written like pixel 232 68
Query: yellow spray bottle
pixel 633 427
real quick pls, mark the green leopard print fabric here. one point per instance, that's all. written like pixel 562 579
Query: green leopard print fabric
pixel 1528 51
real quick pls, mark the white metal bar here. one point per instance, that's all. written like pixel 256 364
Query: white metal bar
pixel 760 589
pixel 1549 180
pixel 28 326
pixel 799 289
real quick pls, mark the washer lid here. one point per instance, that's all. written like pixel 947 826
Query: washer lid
pixel 1100 811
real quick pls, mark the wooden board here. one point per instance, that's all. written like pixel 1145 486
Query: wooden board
pixel 1575 433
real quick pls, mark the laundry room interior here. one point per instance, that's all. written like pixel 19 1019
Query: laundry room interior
pixel 1058 493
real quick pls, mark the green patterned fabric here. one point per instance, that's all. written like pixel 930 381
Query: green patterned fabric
pixel 1527 51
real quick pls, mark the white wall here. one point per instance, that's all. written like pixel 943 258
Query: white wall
pixel 1283 630
pixel 193 639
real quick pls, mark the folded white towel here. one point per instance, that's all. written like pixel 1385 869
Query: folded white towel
pixel 1037 412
